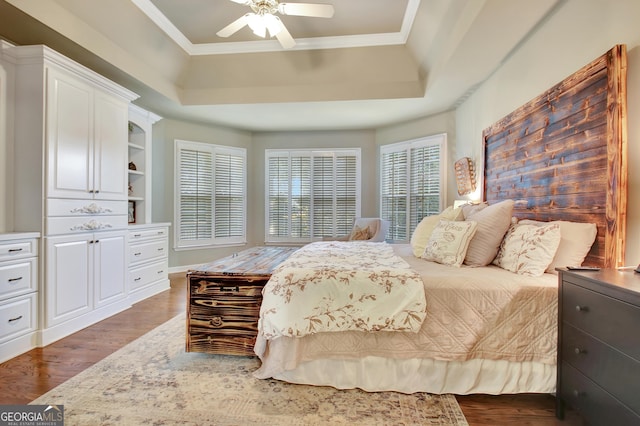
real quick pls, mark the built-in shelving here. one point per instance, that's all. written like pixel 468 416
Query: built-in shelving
pixel 139 173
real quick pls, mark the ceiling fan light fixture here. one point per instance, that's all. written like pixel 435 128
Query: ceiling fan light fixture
pixel 257 25
pixel 273 24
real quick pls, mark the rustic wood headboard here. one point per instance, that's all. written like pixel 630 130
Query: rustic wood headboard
pixel 563 155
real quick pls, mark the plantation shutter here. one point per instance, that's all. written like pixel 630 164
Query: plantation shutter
pixel 411 183
pixel 311 194
pixel 211 187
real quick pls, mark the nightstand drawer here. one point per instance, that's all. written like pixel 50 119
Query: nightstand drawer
pixel 595 404
pixel 604 365
pixel 603 317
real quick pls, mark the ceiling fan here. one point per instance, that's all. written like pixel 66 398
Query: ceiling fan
pixel 263 18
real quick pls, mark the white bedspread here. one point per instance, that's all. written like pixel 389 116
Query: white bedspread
pixel 342 286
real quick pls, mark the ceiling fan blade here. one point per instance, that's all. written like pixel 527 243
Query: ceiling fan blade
pixel 306 9
pixel 284 37
pixel 242 1
pixel 234 26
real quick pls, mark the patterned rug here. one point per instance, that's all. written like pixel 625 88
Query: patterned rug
pixel 153 381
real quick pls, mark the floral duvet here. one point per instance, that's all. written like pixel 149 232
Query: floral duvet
pixel 342 286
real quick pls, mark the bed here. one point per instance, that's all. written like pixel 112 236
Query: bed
pixel 558 161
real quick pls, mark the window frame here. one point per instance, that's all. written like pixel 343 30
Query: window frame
pixel 212 241
pixel 311 154
pixel 438 140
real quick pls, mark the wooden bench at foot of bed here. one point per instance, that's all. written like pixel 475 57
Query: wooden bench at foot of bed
pixel 224 300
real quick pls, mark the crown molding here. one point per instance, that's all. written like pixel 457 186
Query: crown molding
pixel 271 45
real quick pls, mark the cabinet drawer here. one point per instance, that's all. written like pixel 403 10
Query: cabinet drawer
pixel 596 405
pixel 17 278
pixel 607 367
pixel 18 249
pixel 77 224
pixel 66 207
pixel 603 317
pixel 17 317
pixel 147 251
pixel 147 274
pixel 147 234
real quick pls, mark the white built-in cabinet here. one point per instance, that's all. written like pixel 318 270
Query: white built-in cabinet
pixel 86 157
pixel 71 156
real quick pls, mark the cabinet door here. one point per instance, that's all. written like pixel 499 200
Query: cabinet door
pixel 110 260
pixel 110 148
pixel 68 288
pixel 69 136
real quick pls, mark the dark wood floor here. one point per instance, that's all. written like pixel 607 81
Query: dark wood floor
pixel 26 377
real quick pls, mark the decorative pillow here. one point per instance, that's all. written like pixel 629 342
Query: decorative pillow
pixel 493 223
pixel 471 208
pixel 359 233
pixel 423 231
pixel 528 249
pixel 449 241
pixel 576 240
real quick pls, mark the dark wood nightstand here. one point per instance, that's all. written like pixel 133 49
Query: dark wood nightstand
pixel 224 300
pixel 599 346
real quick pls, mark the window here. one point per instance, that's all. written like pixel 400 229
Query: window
pixel 412 181
pixel 210 188
pixel 311 194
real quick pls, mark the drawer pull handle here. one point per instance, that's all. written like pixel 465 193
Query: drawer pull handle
pixel 579 351
pixel 15 319
pixel 160 249
pixel 15 279
pixel 216 322
pixel 137 279
pixel 14 250
pixel 236 288
pixel 581 308
pixel 137 235
pixel 137 254
pixel 160 271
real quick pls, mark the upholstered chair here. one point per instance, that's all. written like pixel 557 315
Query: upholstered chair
pixel 372 229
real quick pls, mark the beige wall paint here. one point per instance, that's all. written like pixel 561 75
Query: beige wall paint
pixel 579 32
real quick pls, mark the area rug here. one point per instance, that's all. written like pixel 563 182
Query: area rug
pixel 153 381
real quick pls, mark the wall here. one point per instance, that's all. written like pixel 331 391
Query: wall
pixel 579 32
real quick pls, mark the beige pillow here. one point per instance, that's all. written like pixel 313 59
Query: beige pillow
pixel 576 240
pixel 528 249
pixel 493 223
pixel 471 208
pixel 423 231
pixel 449 242
pixel 359 233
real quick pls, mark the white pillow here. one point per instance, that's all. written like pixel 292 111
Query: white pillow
pixel 576 240
pixel 493 223
pixel 528 249
pixel 423 231
pixel 449 242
